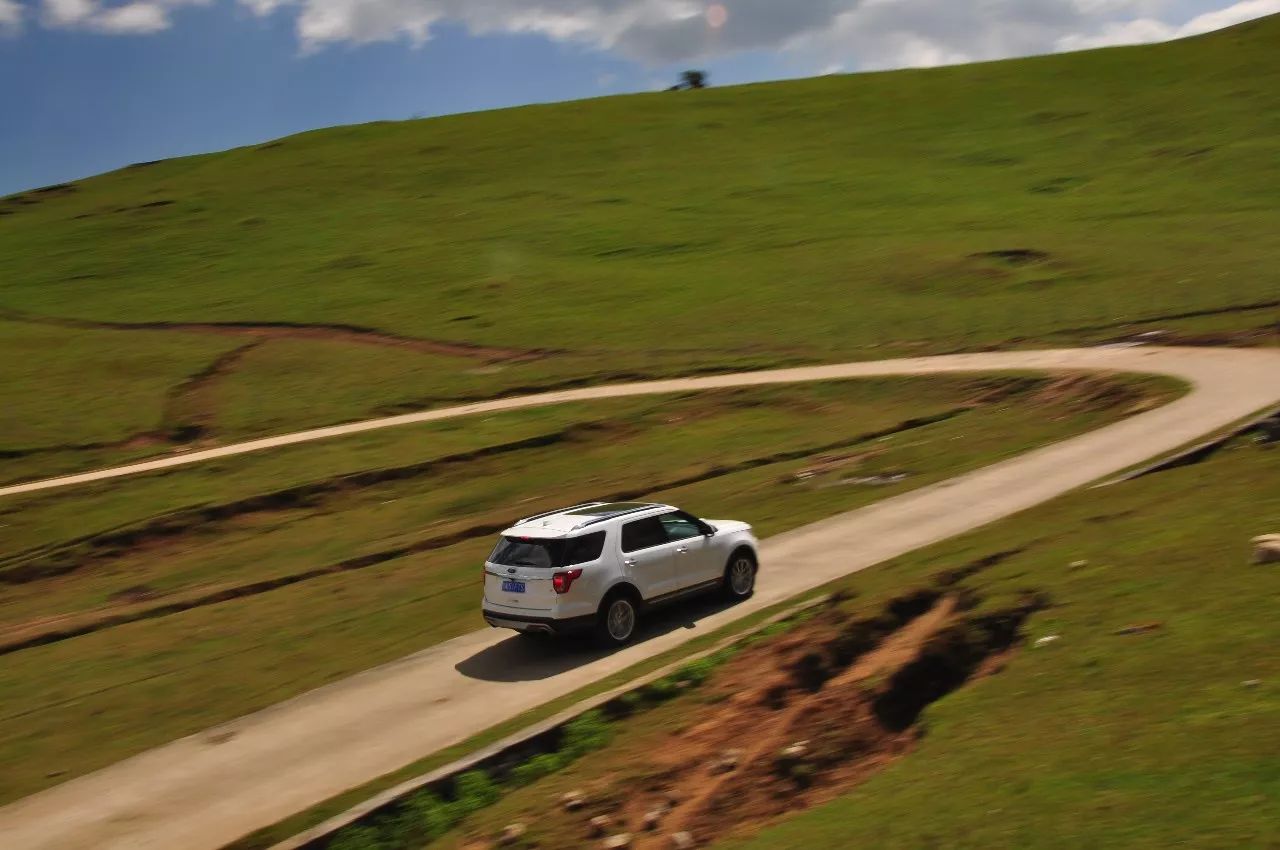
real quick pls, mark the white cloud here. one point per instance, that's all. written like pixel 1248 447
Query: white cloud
pixel 264 7
pixel 10 16
pixel 67 13
pixel 1139 31
pixel 655 31
pixel 820 33
pixel 362 21
pixel 138 17
pixel 922 53
pixel 133 18
pixel 814 34
pixel 1230 16
pixel 881 34
pixel 1146 30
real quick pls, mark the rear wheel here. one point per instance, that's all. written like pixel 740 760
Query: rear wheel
pixel 616 622
pixel 740 576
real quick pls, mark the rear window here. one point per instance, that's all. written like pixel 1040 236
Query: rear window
pixel 528 552
pixel 585 548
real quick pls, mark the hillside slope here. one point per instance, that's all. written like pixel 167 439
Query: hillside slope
pixel 1041 200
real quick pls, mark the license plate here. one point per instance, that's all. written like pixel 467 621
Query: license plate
pixel 509 586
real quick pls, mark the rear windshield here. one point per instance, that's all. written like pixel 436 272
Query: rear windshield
pixel 528 552
pixel 548 554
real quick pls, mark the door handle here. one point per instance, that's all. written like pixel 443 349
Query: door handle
pixel 630 562
pixel 682 549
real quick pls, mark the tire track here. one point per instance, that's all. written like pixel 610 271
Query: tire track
pixel 356 334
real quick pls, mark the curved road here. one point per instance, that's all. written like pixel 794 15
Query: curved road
pixel 208 789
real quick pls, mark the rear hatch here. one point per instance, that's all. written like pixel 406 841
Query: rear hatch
pixel 518 572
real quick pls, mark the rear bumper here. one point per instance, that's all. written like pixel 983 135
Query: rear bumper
pixel 543 625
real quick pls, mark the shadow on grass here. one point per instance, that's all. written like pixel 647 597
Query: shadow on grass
pixel 526 658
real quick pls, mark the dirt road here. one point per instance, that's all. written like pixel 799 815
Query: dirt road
pixel 207 789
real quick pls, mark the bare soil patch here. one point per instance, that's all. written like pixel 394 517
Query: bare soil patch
pixel 1013 256
pixel 797 721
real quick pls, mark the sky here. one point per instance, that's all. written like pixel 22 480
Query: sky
pixel 91 85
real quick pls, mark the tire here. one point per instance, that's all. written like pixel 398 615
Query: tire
pixel 740 576
pixel 617 620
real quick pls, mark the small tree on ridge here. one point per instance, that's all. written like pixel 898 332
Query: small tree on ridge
pixel 693 80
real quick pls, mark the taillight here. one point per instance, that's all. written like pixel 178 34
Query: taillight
pixel 564 580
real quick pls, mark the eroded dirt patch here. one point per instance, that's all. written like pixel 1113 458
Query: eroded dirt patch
pixel 811 735
pixel 797 721
pixel 1079 393
pixel 1013 256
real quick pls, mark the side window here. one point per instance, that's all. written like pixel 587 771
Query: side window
pixel 642 534
pixel 584 549
pixel 680 525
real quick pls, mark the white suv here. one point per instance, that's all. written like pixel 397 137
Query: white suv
pixel 598 566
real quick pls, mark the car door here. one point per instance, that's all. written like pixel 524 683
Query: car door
pixel 694 560
pixel 648 557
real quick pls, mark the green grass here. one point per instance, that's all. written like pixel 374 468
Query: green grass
pixel 849 215
pixel 722 430
pixel 83 702
pixel 332 381
pixel 49 403
pixel 425 815
pixel 1097 739
pixel 94 507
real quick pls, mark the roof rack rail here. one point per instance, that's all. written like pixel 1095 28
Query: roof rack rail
pixel 557 511
pixel 594 520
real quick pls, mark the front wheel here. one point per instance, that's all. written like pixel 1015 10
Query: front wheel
pixel 740 576
pixel 616 623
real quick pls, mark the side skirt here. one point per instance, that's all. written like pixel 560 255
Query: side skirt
pixel 675 595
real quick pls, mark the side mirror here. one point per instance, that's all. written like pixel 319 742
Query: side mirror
pixel 708 530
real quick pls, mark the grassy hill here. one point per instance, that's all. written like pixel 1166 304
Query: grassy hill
pixel 374 269
pixel 1054 199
